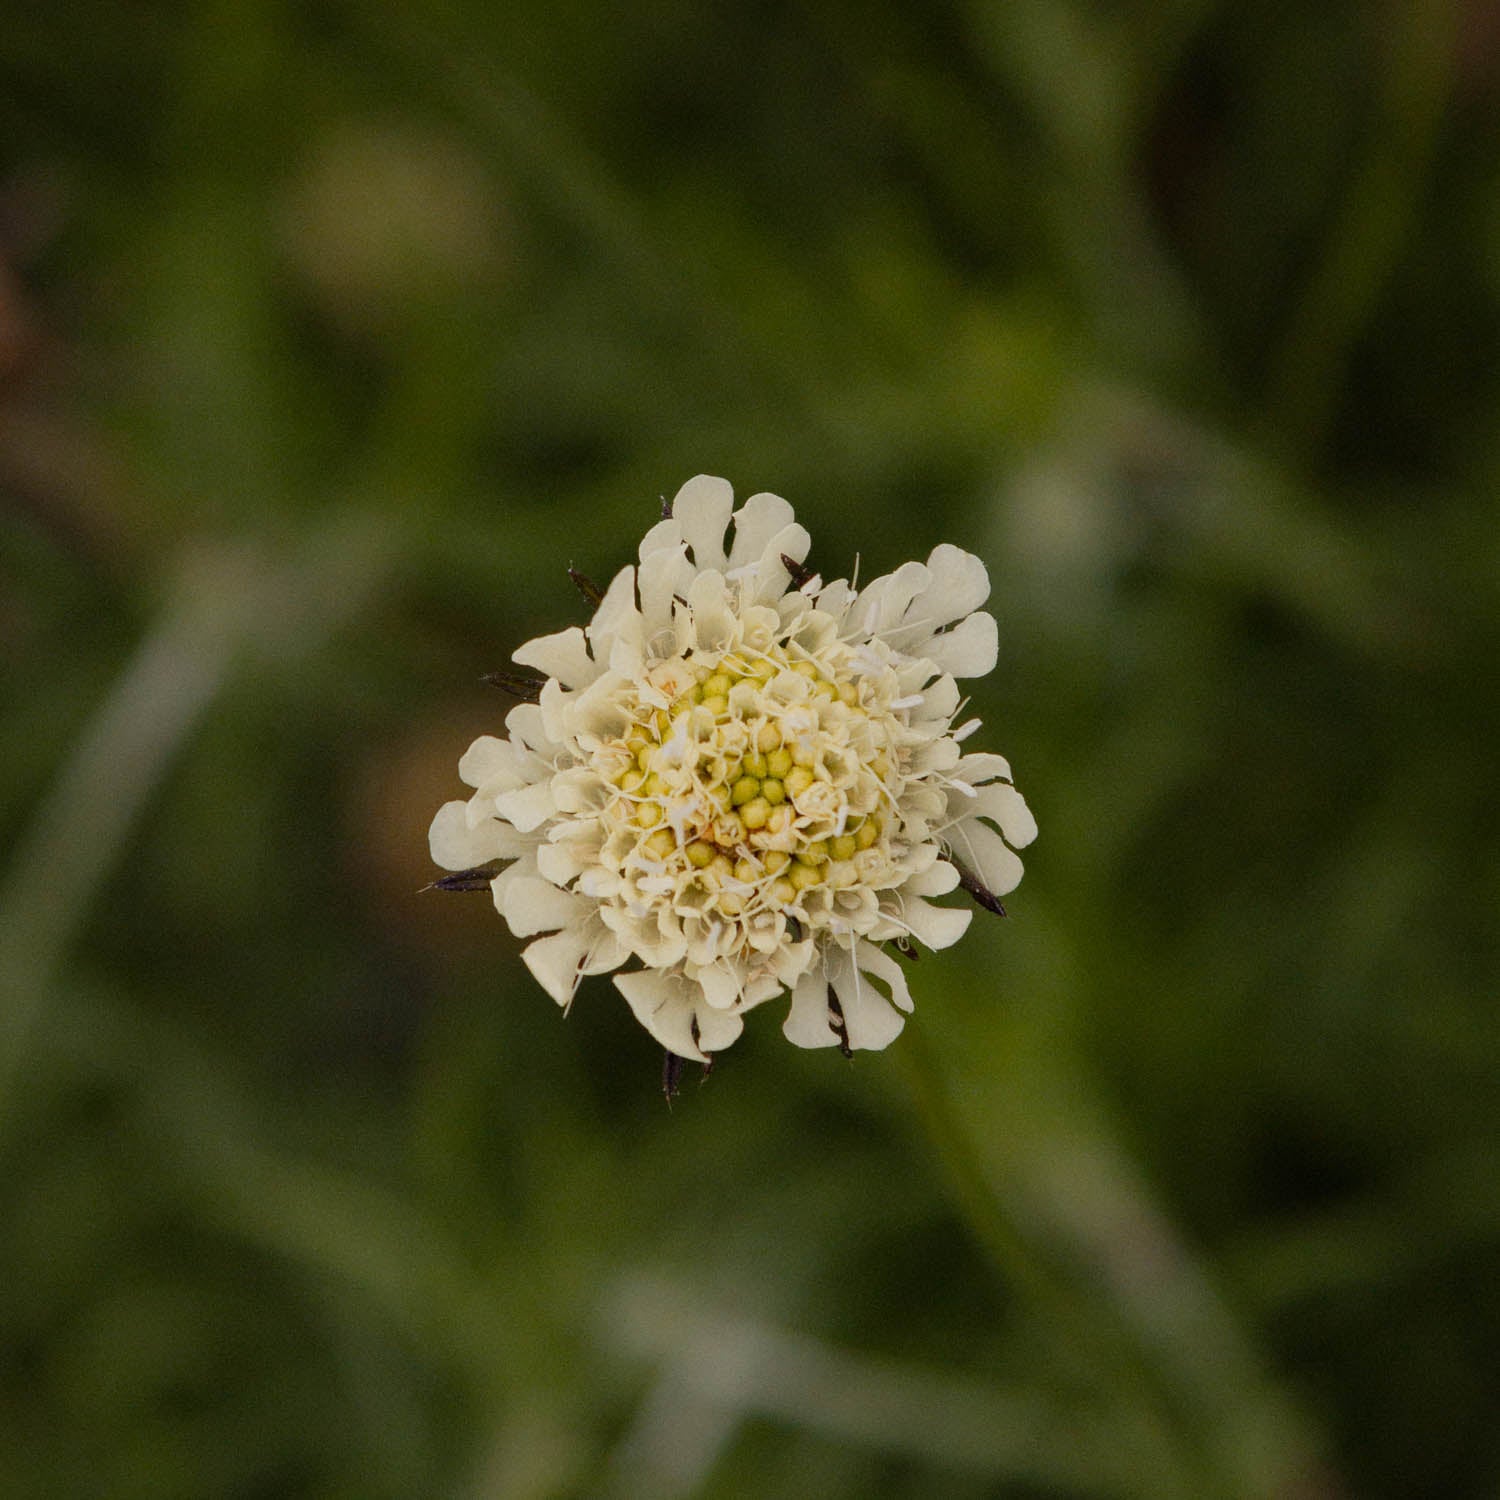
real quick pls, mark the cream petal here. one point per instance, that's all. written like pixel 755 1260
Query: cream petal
pixel 1004 806
pixel 666 533
pixel 527 807
pixel 936 880
pixel 702 508
pixel 970 649
pixel 936 926
pixel 984 854
pixel 561 862
pixel 661 1004
pixel 713 620
pixel 960 584
pixel 531 904
pixel 662 574
pixel 456 846
pixel 807 1022
pixel 489 759
pixel 526 726
pixel 871 1022
pixel 557 961
pixel 755 523
pixel 771 579
pixel 720 983
pixel 983 766
pixel 564 656
pixel 616 618
pixel 882 604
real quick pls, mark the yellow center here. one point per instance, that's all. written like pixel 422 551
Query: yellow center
pixel 750 785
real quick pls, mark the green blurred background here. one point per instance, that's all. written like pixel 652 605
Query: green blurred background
pixel 330 334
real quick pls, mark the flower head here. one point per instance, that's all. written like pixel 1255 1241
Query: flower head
pixel 739 780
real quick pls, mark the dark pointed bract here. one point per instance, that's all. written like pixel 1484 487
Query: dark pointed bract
pixel 978 890
pixel 587 587
pixel 800 573
pixel 527 689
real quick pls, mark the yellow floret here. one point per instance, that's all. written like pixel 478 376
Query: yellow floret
pixel 755 812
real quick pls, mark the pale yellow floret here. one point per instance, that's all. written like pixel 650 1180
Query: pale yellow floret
pixel 773 791
pixel 743 790
pixel 661 843
pixel 648 815
pixel 779 761
pixel 776 860
pixel 867 832
pixel 844 846
pixel 783 891
pixel 747 870
pixel 768 739
pixel 803 876
pixel 700 854
pixel 797 780
pixel 755 813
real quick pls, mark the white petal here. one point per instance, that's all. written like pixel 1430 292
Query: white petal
pixel 883 602
pixel 1004 806
pixel 983 766
pixel 960 584
pixel 564 656
pixel 661 1005
pixel 530 904
pixel 557 961
pixel 526 726
pixel 755 523
pixel 970 649
pixel 661 575
pixel 807 1023
pixel 616 617
pixel 981 851
pixel 771 579
pixel 936 880
pixel 936 926
pixel 456 846
pixel 666 533
pixel 489 759
pixel 702 508
pixel 562 861
pixel 527 807
pixel 871 1022
pixel 713 621
pixel 721 985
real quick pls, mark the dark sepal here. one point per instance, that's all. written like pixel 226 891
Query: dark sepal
pixel 587 587
pixel 527 689
pixel 671 1075
pixel 906 949
pixel 836 1021
pixel 978 890
pixel 666 509
pixel 801 574
pixel 477 879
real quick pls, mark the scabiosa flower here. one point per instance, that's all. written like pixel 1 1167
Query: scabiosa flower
pixel 738 781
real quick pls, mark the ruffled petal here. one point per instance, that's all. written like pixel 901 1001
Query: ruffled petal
pixel 970 649
pixel 755 523
pixel 456 846
pixel 960 584
pixel 669 1007
pixel 557 961
pixel 702 509
pixel 564 656
pixel 527 807
pixel 809 1021
pixel 871 1021
pixel 984 854
pixel 531 904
